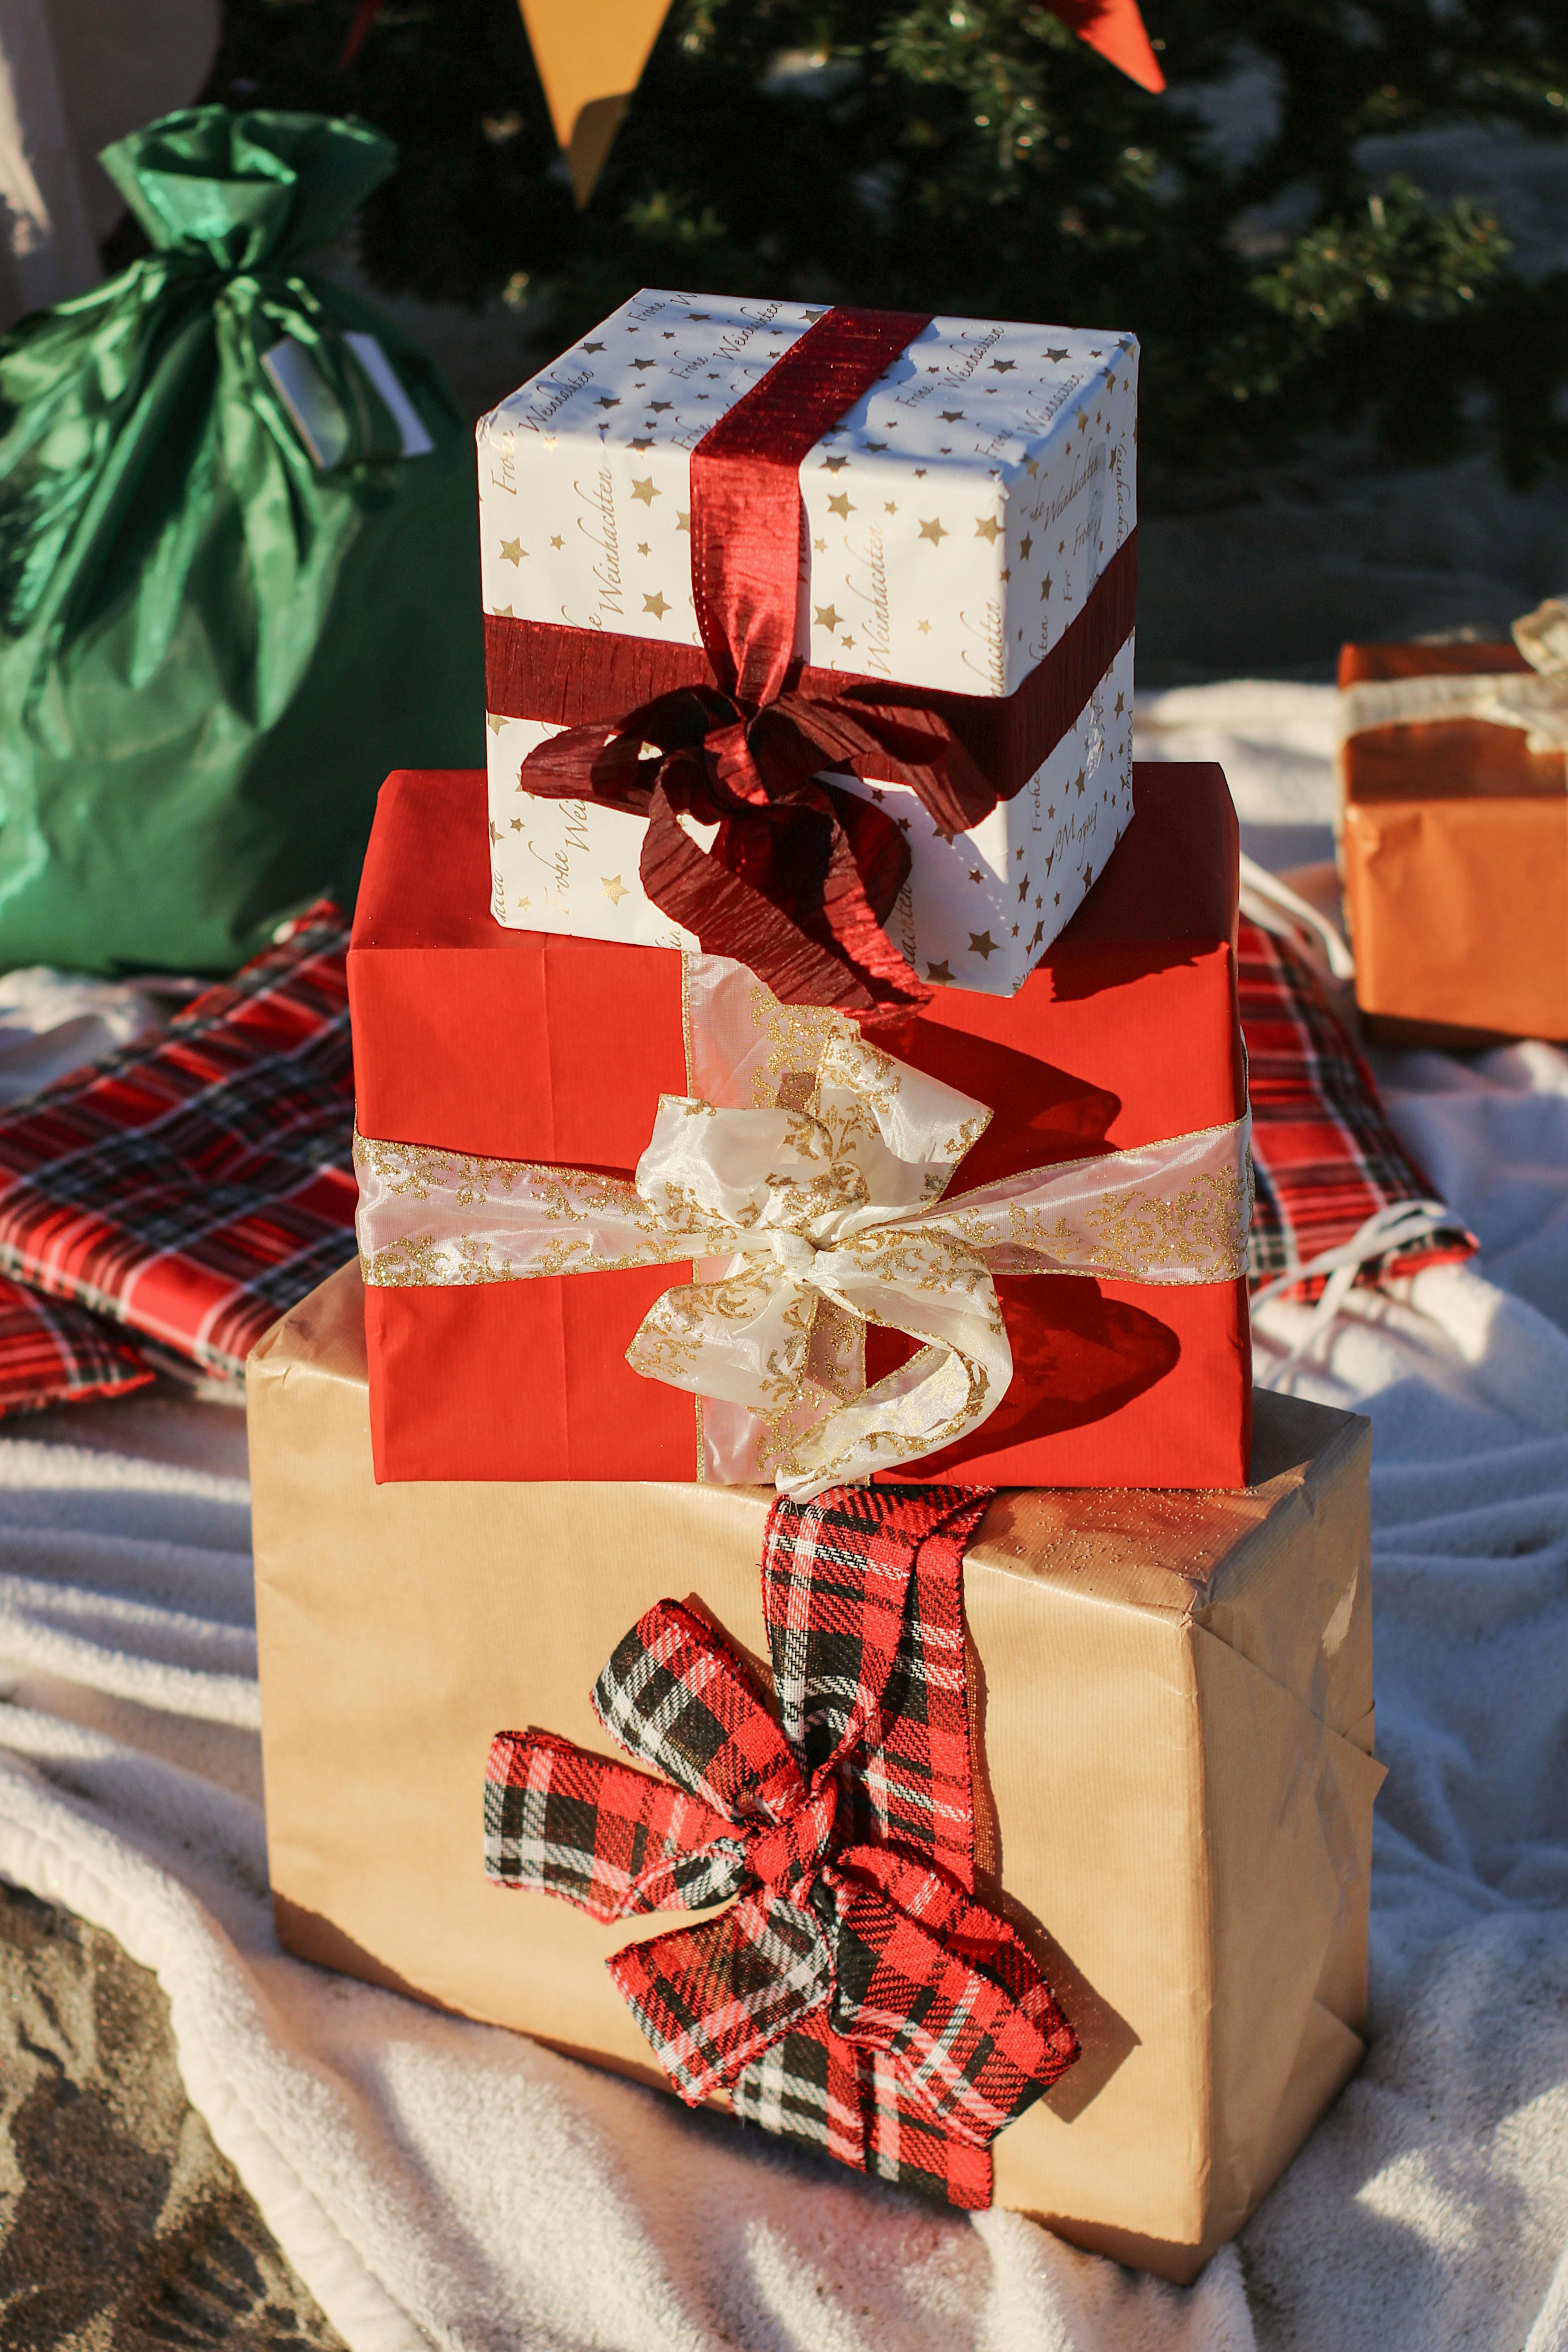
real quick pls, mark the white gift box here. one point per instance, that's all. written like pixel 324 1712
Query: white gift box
pixel 957 519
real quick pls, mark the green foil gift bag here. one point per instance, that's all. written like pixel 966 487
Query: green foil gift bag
pixel 238 563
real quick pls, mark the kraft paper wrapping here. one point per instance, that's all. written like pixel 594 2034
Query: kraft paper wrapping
pixel 1171 1696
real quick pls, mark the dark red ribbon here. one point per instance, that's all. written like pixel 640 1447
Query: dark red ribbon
pixel 802 875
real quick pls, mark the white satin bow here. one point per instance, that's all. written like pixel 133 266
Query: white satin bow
pixel 827 1206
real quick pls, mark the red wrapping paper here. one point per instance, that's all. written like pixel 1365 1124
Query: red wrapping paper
pixel 523 1045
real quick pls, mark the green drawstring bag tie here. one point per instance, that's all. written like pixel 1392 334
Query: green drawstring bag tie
pixel 238 563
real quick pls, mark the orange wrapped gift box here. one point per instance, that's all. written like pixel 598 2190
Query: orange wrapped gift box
pixel 524 1047
pixel 1454 857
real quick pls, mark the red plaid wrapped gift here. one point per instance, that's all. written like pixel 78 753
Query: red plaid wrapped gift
pixel 854 1996
pixel 1332 1178
pixel 53 1353
pixel 196 1185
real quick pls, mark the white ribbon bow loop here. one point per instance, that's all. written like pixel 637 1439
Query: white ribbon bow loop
pixel 828 1215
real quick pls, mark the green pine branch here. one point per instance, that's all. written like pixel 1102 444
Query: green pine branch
pixel 972 156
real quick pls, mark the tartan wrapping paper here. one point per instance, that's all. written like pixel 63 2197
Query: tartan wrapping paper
pixel 195 1186
pixel 1324 1155
pixel 52 1352
pixel 854 1996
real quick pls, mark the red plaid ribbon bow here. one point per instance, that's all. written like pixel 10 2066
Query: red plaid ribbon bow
pixel 854 1996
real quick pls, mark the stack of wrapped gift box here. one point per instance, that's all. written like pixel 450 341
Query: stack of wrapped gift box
pixel 769 1576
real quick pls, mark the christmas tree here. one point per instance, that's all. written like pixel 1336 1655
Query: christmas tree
pixel 973 156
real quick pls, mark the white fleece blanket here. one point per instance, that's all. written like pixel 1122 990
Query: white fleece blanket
pixel 439 2183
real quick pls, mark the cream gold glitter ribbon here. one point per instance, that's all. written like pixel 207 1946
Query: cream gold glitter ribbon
pixel 809 1220
pixel 1538 704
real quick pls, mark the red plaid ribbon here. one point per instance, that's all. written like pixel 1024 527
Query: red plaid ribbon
pixel 197 1185
pixel 855 1996
pixel 1324 1155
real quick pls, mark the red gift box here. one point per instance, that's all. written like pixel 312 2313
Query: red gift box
pixel 524 1045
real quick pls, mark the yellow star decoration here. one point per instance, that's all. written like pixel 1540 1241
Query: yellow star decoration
pixel 925 627
pixel 683 521
pixel 840 506
pixel 819 546
pixel 645 491
pixel 517 822
pixel 939 972
pixel 1045 588
pixel 1026 546
pixel 981 943
pixel 495 830
pixel 891 507
pixel 656 605
pixel 642 547
pixel 1078 780
pixel 828 616
pixel 558 543
pixel 987 527
pixel 934 531
pixel 494 722
pixel 1120 704
pixel 512 550
pixel 614 888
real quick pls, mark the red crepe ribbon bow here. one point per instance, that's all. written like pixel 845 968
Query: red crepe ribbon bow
pixel 802 875
pixel 854 1994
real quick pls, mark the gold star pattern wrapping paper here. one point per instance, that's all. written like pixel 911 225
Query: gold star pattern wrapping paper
pixel 957 518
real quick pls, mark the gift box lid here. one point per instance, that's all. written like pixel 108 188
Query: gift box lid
pixel 1451 759
pixel 956 517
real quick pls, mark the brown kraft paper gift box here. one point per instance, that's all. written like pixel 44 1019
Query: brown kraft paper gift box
pixel 1454 857
pixel 1171 1697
